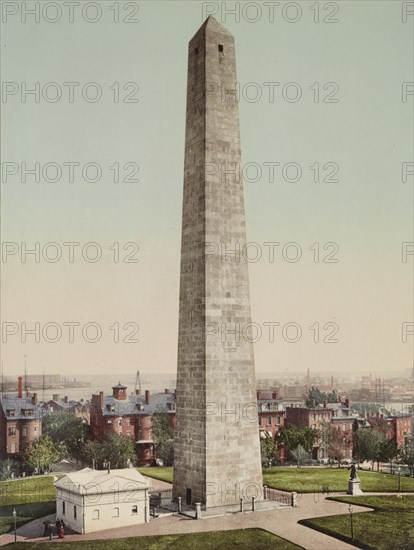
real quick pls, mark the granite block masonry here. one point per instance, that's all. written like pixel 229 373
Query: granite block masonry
pixel 216 448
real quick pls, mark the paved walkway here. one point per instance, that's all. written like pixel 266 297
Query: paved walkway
pixel 281 522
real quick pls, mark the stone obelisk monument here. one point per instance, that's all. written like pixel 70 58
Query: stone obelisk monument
pixel 216 449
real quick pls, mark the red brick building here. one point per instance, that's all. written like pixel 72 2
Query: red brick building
pixel 130 415
pixel 20 422
pixel 78 408
pixel 271 418
pixel 334 425
pixel 315 417
pixel 343 444
pixel 398 428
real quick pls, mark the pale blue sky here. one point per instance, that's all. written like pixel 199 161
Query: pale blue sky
pixel 368 213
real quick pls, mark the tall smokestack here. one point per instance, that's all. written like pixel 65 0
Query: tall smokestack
pixel 20 387
pixel 147 397
pixel 34 399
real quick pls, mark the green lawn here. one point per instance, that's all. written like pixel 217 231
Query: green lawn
pixel 164 474
pixel 32 498
pixel 389 527
pixel 241 539
pixel 313 480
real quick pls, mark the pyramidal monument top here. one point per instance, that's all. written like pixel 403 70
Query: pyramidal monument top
pixel 212 25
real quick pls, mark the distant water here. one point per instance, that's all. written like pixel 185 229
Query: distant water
pixel 104 382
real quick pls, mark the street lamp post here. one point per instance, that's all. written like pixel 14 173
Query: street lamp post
pixel 15 532
pixel 399 478
pixel 350 510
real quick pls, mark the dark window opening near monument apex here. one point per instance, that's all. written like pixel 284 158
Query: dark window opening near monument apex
pixel 221 48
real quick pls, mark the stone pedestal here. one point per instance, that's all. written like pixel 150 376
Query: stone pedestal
pixel 354 487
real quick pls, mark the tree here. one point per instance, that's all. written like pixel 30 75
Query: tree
pixel 317 397
pixel 333 443
pixel 69 429
pixel 368 445
pixel 162 432
pixel 42 454
pixel 388 450
pixel 118 450
pixel 93 453
pixel 300 455
pixel 407 457
pixel 293 436
pixel 267 448
pixel 7 469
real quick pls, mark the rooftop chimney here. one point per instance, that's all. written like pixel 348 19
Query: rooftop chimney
pixel 274 394
pixel 34 399
pixel 166 390
pixel 65 399
pixel 147 397
pixel 101 398
pixel 324 403
pixel 55 397
pixel 137 391
pixel 20 387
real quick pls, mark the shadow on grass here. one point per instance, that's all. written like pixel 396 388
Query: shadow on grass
pixel 25 513
pixel 388 526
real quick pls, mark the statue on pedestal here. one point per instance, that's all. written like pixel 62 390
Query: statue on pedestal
pixel 353 474
pixel 354 483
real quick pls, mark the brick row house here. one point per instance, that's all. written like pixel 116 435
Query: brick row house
pixel 271 415
pixel 130 415
pixel 322 418
pixel 79 408
pixel 398 427
pixel 20 422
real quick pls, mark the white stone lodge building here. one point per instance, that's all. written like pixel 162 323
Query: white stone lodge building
pixel 92 500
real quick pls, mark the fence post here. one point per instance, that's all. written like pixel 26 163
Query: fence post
pixel 198 510
pixel 265 492
pixel 294 500
pixel 253 503
pixel 179 505
pixel 241 504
